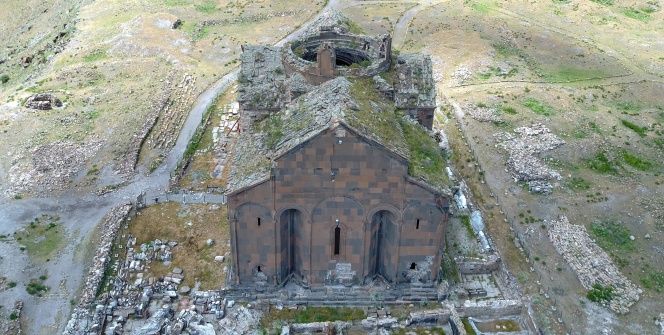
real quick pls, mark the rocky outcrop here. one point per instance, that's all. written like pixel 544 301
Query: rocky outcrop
pixel 43 101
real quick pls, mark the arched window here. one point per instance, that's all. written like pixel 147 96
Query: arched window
pixel 337 240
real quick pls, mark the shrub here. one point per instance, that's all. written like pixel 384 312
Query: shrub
pixel 636 128
pixel 13 316
pixel 4 78
pixel 600 293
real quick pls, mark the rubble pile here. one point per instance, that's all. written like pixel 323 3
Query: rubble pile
pixel 51 166
pixel 240 321
pixel 483 114
pixel 591 264
pixel 12 325
pixel 43 101
pixel 78 322
pixel 523 164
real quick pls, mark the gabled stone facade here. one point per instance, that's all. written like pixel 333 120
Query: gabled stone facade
pixel 327 185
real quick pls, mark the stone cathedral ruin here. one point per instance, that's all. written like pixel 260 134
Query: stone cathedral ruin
pixel 335 180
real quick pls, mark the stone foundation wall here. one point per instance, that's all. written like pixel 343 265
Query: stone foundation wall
pixel 489 309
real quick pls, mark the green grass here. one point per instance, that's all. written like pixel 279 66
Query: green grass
pixel 600 293
pixel 312 314
pixel 42 239
pixel 538 107
pixel 636 14
pixel 603 2
pixel 626 105
pixel 601 164
pixel 652 279
pixel 568 74
pixel 95 55
pixel 467 327
pixel 612 236
pixel 577 184
pixel 636 128
pixel 426 158
pixel 207 7
pixel 506 50
pixel 636 162
pixel 508 110
pixel 465 221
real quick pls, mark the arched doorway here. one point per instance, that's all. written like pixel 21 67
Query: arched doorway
pixel 291 226
pixel 383 245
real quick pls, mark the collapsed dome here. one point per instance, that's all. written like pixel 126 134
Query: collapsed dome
pixel 346 54
pixel 331 52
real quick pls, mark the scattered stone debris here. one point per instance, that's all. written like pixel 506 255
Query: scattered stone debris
pixel 240 321
pixel 483 113
pixel 461 74
pixel 660 322
pixel 591 264
pixel 440 137
pixel 522 163
pixel 51 166
pixel 43 101
pixel 12 325
pixel 655 207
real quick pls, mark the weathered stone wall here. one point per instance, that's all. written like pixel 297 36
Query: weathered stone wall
pixel 479 266
pixel 365 188
pixel 491 308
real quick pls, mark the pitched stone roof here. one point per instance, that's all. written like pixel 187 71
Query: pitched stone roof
pixel 355 105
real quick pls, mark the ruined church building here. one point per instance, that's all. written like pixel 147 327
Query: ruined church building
pixel 315 196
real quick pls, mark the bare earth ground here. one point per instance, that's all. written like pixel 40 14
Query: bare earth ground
pixel 594 65
pixel 591 87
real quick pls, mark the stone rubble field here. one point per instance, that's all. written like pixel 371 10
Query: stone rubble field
pixel 523 163
pixel 592 264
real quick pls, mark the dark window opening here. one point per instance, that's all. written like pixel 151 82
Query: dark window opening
pixel 318 171
pixel 258 269
pixel 417 224
pixel 412 266
pixel 337 240
pixel 259 221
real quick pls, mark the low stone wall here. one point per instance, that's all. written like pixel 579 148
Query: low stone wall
pixel 78 323
pixel 432 316
pixel 491 309
pixel 479 266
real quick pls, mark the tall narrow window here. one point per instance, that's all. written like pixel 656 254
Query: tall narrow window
pixel 337 240
pixel 417 224
pixel 259 221
pixel 258 269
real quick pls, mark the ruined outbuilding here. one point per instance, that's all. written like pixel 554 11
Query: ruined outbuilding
pixel 333 181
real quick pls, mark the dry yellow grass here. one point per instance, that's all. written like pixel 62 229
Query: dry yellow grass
pixel 190 225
